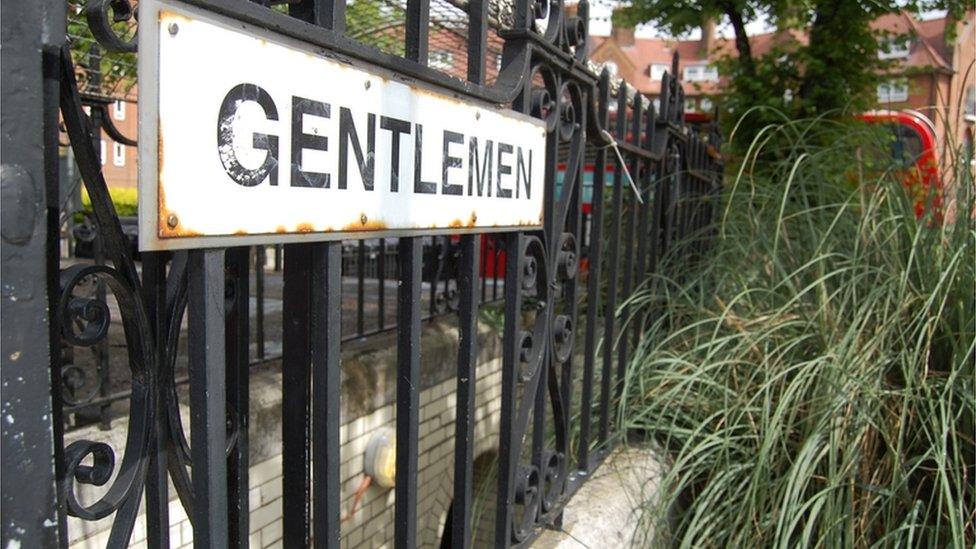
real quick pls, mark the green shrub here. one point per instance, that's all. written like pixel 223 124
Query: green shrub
pixel 125 199
pixel 810 381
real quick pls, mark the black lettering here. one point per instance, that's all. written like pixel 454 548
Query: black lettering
pixel 503 169
pixel 480 172
pixel 301 141
pixel 523 173
pixel 420 186
pixel 451 162
pixel 396 127
pixel 347 133
pixel 225 136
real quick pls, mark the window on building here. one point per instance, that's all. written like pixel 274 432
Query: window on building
pixel 705 104
pixel 657 70
pixel 118 110
pixel 101 151
pixel 971 101
pixel 700 73
pixel 611 66
pixel 118 154
pixel 894 47
pixel 441 60
pixel 893 91
pixel 498 62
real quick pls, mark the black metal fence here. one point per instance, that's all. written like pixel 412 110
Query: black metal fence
pixel 624 183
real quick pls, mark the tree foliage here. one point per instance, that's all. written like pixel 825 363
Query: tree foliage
pixel 831 71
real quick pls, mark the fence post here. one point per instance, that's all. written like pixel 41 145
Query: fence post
pixel 32 33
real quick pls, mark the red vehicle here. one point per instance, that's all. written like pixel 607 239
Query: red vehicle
pixel 914 147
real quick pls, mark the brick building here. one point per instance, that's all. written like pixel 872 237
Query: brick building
pixel 930 73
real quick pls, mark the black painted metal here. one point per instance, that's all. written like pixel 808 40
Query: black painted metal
pixel 543 458
pixel 208 424
pixel 295 391
pixel 408 396
pixel 238 392
pixel 326 297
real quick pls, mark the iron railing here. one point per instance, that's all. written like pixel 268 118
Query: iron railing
pixel 552 312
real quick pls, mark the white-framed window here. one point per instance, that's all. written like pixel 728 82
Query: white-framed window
pixel 611 66
pixel 894 47
pixel 118 110
pixel 441 60
pixel 118 154
pixel 657 70
pixel 657 104
pixel 705 104
pixel 893 91
pixel 971 101
pixel 498 62
pixel 700 73
pixel 101 151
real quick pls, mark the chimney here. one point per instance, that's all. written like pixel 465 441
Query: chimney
pixel 707 36
pixel 623 35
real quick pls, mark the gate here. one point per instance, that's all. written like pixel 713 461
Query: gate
pixel 625 180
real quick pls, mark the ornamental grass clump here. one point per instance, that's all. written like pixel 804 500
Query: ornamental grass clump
pixel 809 379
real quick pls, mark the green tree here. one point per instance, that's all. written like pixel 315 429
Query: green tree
pixel 835 70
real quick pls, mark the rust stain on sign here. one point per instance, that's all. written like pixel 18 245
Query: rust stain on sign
pixel 239 180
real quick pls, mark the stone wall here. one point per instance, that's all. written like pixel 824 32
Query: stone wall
pixel 368 407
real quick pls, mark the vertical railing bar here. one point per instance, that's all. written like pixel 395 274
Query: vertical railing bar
pixel 236 337
pixel 613 271
pixel 659 178
pixel 295 388
pixel 466 374
pixel 410 252
pixel 437 255
pixel 381 281
pixel 508 449
pixel 332 14
pixel 467 280
pixel 485 250
pixel 623 347
pixel 361 288
pixel 205 343
pixel 417 18
pixel 157 488
pixel 326 300
pixel 260 262
pixel 593 282
pixel 645 212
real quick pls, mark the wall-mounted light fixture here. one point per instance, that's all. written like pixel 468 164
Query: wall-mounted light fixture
pixel 380 458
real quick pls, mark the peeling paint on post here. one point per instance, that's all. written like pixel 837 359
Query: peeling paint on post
pixel 29 40
pixel 265 144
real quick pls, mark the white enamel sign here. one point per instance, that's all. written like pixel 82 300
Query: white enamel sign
pixel 248 137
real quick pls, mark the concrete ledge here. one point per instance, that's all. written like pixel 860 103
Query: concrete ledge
pixel 606 510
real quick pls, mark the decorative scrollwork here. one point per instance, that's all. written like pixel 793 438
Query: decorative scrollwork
pixel 128 482
pixel 73 380
pixel 101 24
pixel 84 320
pixel 527 497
